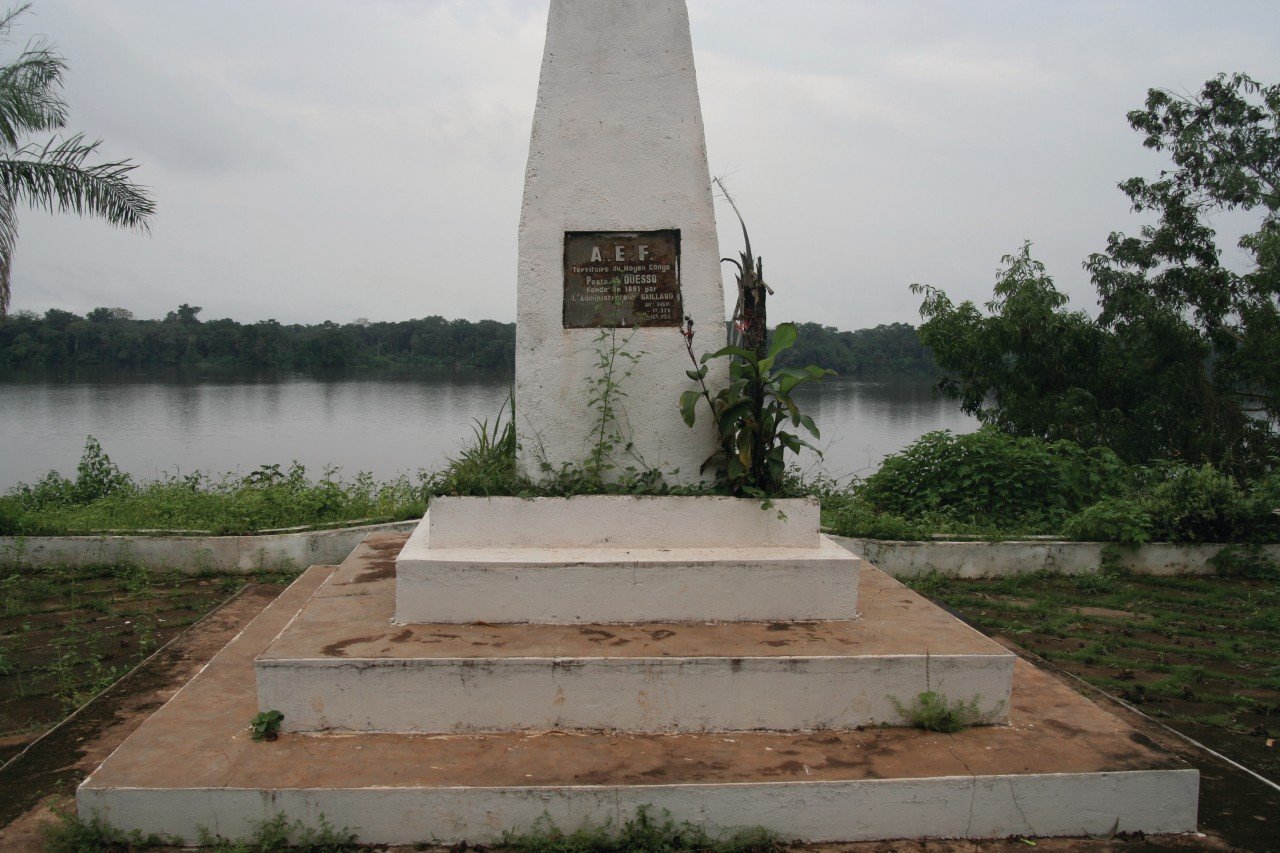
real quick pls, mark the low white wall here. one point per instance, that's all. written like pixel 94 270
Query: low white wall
pixel 994 559
pixel 194 553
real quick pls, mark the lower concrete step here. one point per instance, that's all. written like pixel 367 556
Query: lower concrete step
pixel 342 665
pixel 1060 767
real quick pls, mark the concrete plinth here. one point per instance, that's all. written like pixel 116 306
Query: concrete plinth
pixel 618 559
pixel 1060 767
pixel 341 664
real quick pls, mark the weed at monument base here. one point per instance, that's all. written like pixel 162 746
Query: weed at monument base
pixel 641 832
pixel 934 712
pixel 70 834
pixel 265 725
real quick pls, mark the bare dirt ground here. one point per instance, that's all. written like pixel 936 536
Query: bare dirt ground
pixel 44 778
pixel 1237 812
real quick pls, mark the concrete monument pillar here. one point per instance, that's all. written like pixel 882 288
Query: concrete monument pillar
pixel 617 233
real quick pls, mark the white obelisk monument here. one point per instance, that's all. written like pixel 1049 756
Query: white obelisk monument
pixel 617 233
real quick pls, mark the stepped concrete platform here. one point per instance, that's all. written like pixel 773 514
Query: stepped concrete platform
pixel 1061 767
pixel 618 559
pixel 342 648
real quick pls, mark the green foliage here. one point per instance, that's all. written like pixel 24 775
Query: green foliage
pixel 487 466
pixel 850 515
pixel 111 337
pixel 886 350
pixel 1198 505
pixel 606 396
pixel 988 475
pixel 933 712
pixel 69 834
pixel 1183 361
pixel 265 725
pixel 102 498
pixel 751 414
pixel 639 833
pixel 280 834
pixel 1115 519
pixel 1246 561
pixel 97 476
pixel 55 174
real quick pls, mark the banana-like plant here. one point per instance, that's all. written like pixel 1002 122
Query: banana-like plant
pixel 752 413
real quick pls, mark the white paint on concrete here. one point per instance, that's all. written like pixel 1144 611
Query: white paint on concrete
pixel 1051 804
pixel 616 521
pixel 195 553
pixel 997 559
pixel 676 694
pixel 609 585
pixel 617 145
pixel 622 558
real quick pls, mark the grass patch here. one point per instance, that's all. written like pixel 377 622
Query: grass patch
pixel 101 498
pixel 1198 652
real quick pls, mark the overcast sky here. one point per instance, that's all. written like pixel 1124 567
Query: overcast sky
pixel 321 160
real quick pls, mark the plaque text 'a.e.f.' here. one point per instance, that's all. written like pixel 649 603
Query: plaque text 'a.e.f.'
pixel 620 279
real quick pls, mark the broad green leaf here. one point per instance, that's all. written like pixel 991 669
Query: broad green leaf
pixel 783 337
pixel 688 406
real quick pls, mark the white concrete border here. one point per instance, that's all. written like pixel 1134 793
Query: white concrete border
pixel 195 553
pixel 1047 804
pixel 996 559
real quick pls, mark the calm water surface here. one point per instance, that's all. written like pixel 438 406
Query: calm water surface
pixel 167 424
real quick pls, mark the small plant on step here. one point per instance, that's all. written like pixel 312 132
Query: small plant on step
pixel 265 725
pixel 933 712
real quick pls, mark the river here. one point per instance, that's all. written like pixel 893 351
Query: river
pixel 156 424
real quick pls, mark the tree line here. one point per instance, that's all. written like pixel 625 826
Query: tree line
pixel 113 338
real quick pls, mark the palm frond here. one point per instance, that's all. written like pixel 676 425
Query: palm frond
pixel 7 18
pixel 55 177
pixel 8 239
pixel 30 96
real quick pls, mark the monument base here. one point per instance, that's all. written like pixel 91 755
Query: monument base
pixel 343 664
pixel 1061 766
pixel 622 559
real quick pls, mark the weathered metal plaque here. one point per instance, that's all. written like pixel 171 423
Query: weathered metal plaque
pixel 620 279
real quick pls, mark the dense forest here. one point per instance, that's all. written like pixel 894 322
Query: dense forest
pixel 112 338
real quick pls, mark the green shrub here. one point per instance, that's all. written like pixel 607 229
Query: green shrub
pixel 852 516
pixel 1122 520
pixel 1198 505
pixel 988 475
pixel 1245 561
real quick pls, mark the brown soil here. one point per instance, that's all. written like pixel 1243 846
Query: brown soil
pixel 46 776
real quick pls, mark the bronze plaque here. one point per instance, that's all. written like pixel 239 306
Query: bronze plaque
pixel 620 279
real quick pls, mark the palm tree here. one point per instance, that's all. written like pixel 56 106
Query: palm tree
pixel 55 174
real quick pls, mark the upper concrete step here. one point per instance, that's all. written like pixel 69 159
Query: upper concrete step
pixel 619 521
pixel 617 585
pixel 618 559
pixel 1061 767
pixel 342 664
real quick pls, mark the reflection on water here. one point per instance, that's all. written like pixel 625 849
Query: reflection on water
pixel 863 421
pixel 383 424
